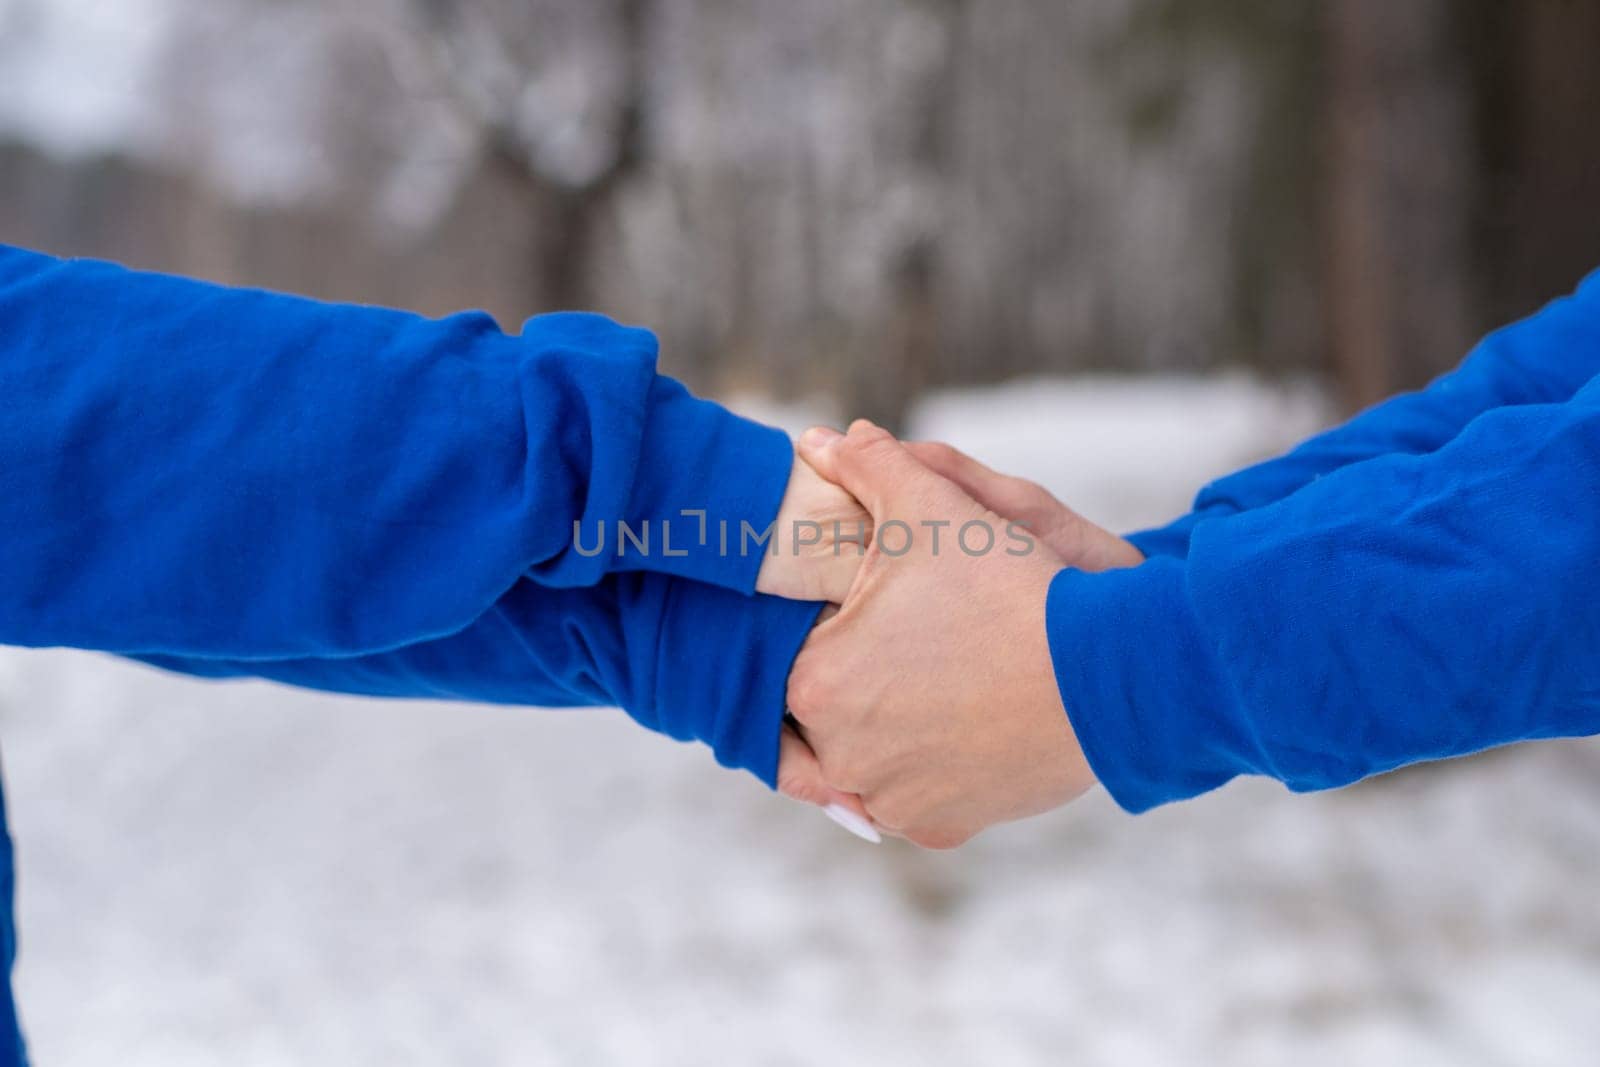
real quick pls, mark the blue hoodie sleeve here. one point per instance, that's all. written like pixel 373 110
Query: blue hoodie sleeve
pixel 1543 359
pixel 1407 608
pixel 195 470
pixel 686 659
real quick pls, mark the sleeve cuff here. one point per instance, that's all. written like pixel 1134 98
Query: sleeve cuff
pixel 705 476
pixel 1172 540
pixel 722 672
pixel 1142 687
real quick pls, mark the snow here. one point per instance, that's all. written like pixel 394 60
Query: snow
pixel 249 875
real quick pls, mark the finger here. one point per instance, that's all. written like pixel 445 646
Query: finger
pixel 1001 493
pixel 813 448
pixel 984 484
pixel 867 462
pixel 800 778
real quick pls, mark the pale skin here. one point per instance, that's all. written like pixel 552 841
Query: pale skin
pixel 797 568
pixel 928 701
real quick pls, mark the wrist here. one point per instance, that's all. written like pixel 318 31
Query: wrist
pixel 818 541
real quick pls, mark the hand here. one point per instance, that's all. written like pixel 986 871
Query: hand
pixel 818 543
pixel 1079 542
pixel 818 540
pixel 931 693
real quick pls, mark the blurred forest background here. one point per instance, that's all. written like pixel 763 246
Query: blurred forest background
pixel 826 196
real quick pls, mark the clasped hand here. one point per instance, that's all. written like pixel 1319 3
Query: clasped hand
pixel 926 702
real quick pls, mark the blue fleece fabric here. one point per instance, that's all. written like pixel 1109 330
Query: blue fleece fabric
pixel 1422 582
pixel 683 658
pixel 228 482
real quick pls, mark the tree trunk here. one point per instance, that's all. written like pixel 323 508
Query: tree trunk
pixel 1399 196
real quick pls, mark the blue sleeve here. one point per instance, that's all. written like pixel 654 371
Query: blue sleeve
pixel 195 470
pixel 1543 359
pixel 1407 608
pixel 683 658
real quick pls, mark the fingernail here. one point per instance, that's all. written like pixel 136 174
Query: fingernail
pixel 848 819
pixel 818 436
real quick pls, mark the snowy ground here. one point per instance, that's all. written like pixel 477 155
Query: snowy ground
pixel 247 875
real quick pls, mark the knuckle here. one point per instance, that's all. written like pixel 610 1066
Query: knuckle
pixel 810 692
pixel 865 435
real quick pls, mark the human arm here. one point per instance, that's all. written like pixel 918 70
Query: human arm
pixel 682 658
pixel 1402 609
pixel 194 470
pixel 1543 359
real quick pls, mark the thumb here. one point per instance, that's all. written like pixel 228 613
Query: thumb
pixel 800 778
pixel 867 462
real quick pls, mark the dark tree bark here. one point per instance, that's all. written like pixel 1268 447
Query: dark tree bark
pixel 1399 196
pixel 1554 183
